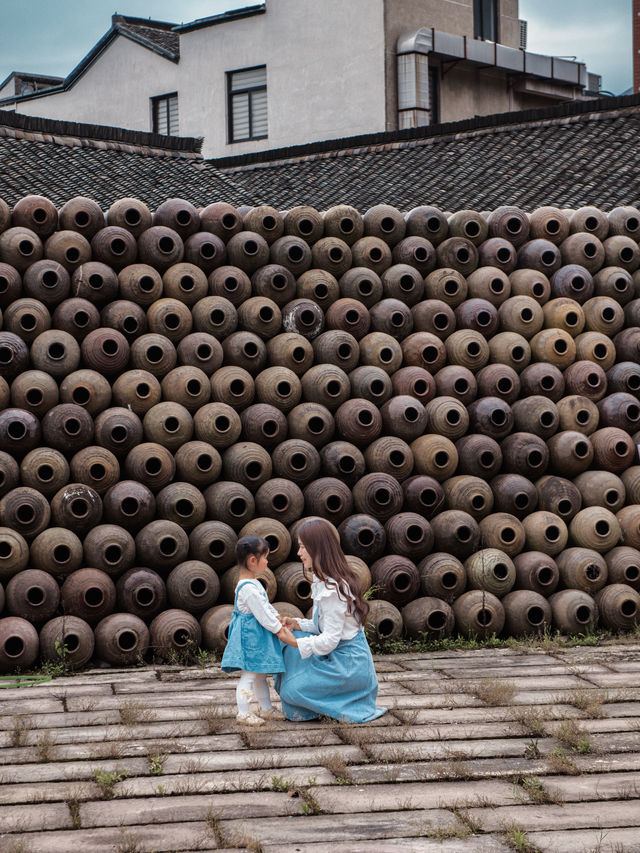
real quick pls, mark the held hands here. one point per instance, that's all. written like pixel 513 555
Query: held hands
pixel 290 623
pixel 285 635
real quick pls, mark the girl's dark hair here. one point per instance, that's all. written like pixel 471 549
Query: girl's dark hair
pixel 250 546
pixel 330 565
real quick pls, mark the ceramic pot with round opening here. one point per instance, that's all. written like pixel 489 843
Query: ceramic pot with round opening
pixel 514 494
pixel 583 249
pixel 338 348
pixel 540 255
pixel 129 504
pixel 71 634
pixel 294 585
pixel 277 536
pixel 231 503
pixel 115 247
pixel 18 644
pixel 601 488
pixel 458 253
pixel 205 250
pixel 83 215
pixel 25 510
pixel 455 532
pixel 281 499
pixel 299 461
pixel 582 568
pixel 330 498
pixel 618 607
pixel 389 455
pixel 492 570
pixel 182 503
pixel 590 220
pixel 14 553
pixel 56 353
pixel 76 506
pixel 467 348
pixel 478 613
pixel 131 214
pixel 122 639
pixel 536 571
pixel 88 594
pixel 215 624
pixel 559 496
pixel 363 536
pixel 397 579
pixel 213 542
pixel 221 219
pixel 193 586
pixel 574 611
pixel 384 622
pixel 526 612
pixel 118 430
pixel 423 494
pixel 34 391
pixel 142 592
pixel 479 456
pixel 56 550
pixel 443 576
pixel 110 548
pixel 503 531
pixel 623 563
pixel 410 535
pixel 33 595
pixel 428 616
pixel 20 247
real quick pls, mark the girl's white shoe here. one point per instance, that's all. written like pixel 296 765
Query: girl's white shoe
pixel 249 720
pixel 271 714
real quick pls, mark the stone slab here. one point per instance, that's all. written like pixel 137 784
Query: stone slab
pixel 188 808
pixel 597 786
pixel 610 840
pixel 434 750
pixel 35 818
pixel 233 780
pixel 259 759
pixel 325 828
pixel 615 679
pixel 48 792
pixel 411 795
pixel 477 844
pixel 147 838
pixel 546 817
pixel 61 771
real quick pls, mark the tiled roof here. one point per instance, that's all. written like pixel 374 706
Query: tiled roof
pixel 585 154
pixel 156 32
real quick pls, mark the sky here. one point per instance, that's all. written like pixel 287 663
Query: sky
pixel 47 37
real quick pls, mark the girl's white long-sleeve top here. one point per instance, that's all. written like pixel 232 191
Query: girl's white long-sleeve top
pixel 334 620
pixel 251 598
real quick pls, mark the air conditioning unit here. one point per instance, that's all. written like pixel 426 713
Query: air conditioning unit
pixel 523 35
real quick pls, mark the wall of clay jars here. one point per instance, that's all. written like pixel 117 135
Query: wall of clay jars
pixel 457 393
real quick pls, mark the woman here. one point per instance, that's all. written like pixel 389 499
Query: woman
pixel 329 669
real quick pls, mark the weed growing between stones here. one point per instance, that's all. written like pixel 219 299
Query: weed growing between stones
pixel 533 791
pixel 590 702
pixel 155 764
pixel 21 725
pixel 559 762
pixel 132 713
pixel 336 765
pixel 515 837
pixel 530 721
pixel 573 736
pixel 43 746
pixel 492 692
pixel 106 781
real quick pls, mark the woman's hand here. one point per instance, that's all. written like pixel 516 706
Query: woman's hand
pixel 285 635
pixel 291 623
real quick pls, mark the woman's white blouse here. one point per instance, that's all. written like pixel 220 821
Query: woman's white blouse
pixel 251 598
pixel 334 620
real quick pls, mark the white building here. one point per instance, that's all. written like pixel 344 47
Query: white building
pixel 289 72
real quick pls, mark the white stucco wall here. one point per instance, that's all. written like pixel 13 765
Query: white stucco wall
pixel 325 73
pixel 115 90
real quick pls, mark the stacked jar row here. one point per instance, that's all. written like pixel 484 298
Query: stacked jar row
pixel 369 436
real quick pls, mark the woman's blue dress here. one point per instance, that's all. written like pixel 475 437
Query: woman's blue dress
pixel 342 684
pixel 250 645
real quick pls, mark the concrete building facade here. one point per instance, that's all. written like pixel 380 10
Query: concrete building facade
pixel 289 72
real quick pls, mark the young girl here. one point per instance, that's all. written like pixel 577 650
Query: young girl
pixel 253 646
pixel 329 668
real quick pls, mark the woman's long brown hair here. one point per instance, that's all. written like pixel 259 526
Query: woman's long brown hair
pixel 330 564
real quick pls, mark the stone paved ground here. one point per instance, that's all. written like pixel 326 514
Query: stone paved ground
pixel 481 752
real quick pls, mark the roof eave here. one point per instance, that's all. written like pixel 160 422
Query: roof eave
pixel 225 17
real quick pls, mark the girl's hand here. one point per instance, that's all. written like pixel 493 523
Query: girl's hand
pixel 286 636
pixel 291 623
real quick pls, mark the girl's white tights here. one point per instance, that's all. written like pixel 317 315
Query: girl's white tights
pixel 252 684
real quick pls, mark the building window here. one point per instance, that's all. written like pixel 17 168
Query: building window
pixel 485 19
pixel 247 104
pixel 434 94
pixel 164 110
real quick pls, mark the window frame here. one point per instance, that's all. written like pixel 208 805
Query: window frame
pixel 480 24
pixel 156 101
pixel 246 91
